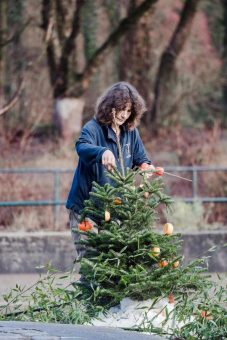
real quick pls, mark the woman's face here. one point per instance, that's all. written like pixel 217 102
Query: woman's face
pixel 122 115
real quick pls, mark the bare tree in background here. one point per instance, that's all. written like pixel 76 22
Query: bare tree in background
pixel 166 78
pixel 61 34
pixel 62 46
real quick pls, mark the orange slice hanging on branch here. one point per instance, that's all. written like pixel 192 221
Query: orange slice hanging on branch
pixel 85 225
pixel 155 251
pixel 117 201
pixel 167 229
pixel 163 263
pixel 159 171
pixel 107 216
pixel 175 264
pixel 146 194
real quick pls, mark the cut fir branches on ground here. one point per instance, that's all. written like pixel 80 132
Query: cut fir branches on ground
pixel 207 313
pixel 51 299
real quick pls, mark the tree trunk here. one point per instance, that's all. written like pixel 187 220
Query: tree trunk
pixel 135 56
pixel 68 114
pixel 12 67
pixel 3 29
pixel 224 69
pixel 166 76
pixel 124 26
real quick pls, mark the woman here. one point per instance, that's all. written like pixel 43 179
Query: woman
pixel 118 112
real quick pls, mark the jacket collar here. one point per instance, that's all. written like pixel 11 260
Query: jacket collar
pixel 110 134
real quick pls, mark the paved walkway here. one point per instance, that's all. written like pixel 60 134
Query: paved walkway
pixel 9 281
pixel 17 330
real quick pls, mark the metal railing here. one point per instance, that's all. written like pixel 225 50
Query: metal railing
pixel 195 170
pixel 56 202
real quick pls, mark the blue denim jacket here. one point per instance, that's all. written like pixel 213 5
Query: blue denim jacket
pixel 92 143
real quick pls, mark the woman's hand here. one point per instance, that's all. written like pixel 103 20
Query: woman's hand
pixel 108 160
pixel 145 166
pixel 159 171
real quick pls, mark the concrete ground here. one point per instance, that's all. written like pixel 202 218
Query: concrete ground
pixel 8 281
pixel 16 330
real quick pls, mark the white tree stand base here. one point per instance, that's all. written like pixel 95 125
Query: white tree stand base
pixel 133 314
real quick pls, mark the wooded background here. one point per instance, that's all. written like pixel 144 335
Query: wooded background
pixel 173 51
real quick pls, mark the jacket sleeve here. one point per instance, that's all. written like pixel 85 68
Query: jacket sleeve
pixel 139 153
pixel 87 148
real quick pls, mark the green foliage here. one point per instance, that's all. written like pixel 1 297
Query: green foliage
pixel 208 315
pixel 50 299
pixel 201 315
pixel 120 262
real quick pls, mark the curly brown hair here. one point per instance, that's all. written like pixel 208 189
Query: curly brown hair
pixel 117 97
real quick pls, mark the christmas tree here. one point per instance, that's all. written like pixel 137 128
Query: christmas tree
pixel 128 257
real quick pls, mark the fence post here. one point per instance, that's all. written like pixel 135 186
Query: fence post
pixel 56 199
pixel 194 183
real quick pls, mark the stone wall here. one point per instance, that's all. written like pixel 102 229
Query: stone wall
pixel 23 252
pixel 196 245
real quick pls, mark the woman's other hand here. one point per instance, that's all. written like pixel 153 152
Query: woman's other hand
pixel 145 166
pixel 108 160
